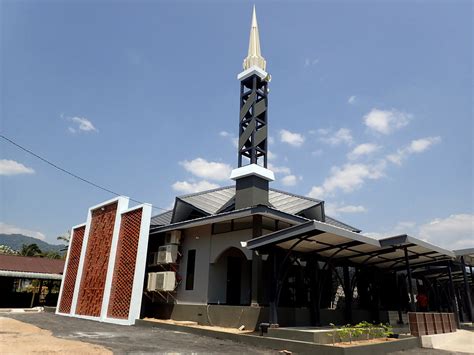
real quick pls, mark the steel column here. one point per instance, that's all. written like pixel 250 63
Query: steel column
pixel 256 264
pixel 452 292
pixel 410 281
pixel 273 316
pixel 467 291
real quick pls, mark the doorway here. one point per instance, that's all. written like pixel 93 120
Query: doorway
pixel 234 277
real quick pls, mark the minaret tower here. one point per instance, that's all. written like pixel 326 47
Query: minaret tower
pixel 252 176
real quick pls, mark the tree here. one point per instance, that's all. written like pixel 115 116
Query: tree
pixel 52 255
pixel 30 250
pixel 66 237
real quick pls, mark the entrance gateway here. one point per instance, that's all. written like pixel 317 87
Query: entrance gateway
pixel 247 253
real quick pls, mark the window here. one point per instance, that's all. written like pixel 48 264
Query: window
pixel 190 269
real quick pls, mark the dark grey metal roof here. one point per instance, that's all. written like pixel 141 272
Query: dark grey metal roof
pixel 337 223
pixel 212 201
pixel 335 242
pixel 319 237
pixel 162 219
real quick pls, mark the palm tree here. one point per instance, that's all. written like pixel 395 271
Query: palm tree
pixel 30 250
pixel 66 237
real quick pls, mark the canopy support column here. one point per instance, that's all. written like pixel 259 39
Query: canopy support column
pixel 256 265
pixel 467 292
pixel 347 294
pixel 273 317
pixel 454 297
pixel 410 281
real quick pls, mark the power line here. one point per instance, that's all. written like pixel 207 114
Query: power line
pixel 70 173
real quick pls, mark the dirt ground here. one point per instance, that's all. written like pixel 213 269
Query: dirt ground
pixel 22 338
pixel 195 325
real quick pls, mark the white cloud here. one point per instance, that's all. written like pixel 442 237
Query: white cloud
pixel 351 100
pixel 11 167
pixel 386 121
pixel 290 180
pixel 271 155
pixel 233 139
pixel 207 169
pixel 453 232
pixel 420 145
pixel 279 169
pixel 82 124
pixel 363 149
pixel 342 135
pixel 348 178
pixel 294 139
pixel 416 146
pixel 317 152
pixel 335 209
pixel 11 229
pixel 309 62
pixel 193 187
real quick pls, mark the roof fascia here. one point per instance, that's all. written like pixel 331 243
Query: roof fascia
pixel 263 210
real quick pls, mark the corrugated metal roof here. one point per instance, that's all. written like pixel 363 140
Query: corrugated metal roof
pixel 31 264
pixel 217 200
pixel 210 201
pixel 162 219
pixel 213 200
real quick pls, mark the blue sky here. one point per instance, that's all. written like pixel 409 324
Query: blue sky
pixel 370 107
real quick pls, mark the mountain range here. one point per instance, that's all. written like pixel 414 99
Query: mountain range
pixel 15 241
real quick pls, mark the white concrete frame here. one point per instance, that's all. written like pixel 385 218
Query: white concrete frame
pixel 66 264
pixel 140 265
pixel 122 205
pixel 252 70
pixel 252 169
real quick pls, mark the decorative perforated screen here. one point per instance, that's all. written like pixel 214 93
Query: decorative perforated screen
pixel 96 261
pixel 125 262
pixel 72 266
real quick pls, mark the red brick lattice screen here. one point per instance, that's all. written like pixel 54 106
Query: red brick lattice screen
pixel 422 323
pixel 72 266
pixel 125 261
pixel 96 261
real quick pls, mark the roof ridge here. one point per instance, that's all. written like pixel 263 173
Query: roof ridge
pixel 295 195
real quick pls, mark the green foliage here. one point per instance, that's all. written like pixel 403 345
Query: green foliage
pixel 349 332
pixel 30 250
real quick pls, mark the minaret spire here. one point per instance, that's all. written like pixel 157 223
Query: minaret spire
pixel 254 57
pixel 252 175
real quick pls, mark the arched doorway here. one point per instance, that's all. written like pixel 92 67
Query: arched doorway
pixel 229 279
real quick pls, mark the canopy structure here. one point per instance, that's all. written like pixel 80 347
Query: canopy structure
pixel 330 241
pixel 467 255
pixel 402 254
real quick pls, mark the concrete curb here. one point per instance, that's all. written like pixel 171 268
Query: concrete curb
pixel 300 347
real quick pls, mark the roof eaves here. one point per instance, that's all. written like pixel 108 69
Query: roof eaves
pixel 244 212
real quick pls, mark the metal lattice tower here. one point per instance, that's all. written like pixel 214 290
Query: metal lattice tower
pixel 253 145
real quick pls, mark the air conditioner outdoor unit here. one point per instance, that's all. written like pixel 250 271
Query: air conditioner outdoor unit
pixel 173 237
pixel 151 284
pixel 161 281
pixel 167 254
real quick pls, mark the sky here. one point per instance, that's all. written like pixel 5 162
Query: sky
pixel 370 108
